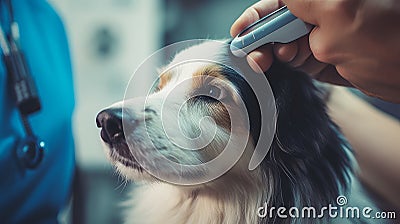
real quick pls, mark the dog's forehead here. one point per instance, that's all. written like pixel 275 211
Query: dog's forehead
pixel 186 77
pixel 192 62
pixel 206 51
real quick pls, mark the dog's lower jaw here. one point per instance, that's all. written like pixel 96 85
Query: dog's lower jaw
pixel 209 204
pixel 130 173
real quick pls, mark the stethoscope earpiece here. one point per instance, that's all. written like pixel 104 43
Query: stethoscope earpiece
pixel 30 152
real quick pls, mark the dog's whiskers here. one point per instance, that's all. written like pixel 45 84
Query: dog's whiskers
pixel 122 185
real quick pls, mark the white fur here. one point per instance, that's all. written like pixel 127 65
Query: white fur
pixel 232 198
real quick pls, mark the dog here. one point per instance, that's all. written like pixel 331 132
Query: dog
pixel 308 163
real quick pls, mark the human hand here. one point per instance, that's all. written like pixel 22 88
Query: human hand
pixel 352 39
pixel 297 53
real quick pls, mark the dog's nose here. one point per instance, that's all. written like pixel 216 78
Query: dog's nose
pixel 110 122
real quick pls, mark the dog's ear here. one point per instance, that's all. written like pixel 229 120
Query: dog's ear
pixel 308 157
pixel 249 99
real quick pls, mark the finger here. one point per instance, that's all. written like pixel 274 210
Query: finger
pixel 307 10
pixel 322 51
pixel 254 13
pixel 312 66
pixel 261 59
pixel 303 52
pixel 285 52
pixel 330 75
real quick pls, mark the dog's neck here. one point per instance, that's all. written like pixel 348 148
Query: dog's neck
pixel 164 203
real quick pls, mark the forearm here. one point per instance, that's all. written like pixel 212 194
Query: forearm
pixel 375 138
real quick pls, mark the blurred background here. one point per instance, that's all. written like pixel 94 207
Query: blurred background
pixel 108 41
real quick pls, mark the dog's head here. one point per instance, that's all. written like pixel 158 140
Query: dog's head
pixel 188 119
pixel 195 111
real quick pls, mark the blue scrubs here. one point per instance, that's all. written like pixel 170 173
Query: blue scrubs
pixel 36 196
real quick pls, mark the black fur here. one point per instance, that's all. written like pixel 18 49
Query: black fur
pixel 308 157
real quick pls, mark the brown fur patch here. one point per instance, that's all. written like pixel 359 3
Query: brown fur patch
pixel 164 79
pixel 204 73
pixel 211 75
pixel 218 110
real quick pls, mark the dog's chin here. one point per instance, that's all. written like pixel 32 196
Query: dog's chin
pixel 133 173
pixel 126 165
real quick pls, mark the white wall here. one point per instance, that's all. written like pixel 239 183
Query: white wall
pixel 126 31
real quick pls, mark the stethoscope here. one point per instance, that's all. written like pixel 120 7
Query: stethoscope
pixel 30 149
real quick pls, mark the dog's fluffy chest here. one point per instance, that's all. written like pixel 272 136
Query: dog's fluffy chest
pixel 163 203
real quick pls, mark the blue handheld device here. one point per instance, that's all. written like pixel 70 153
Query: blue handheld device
pixel 280 26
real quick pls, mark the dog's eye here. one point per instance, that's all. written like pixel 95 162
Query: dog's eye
pixel 211 92
pixel 214 92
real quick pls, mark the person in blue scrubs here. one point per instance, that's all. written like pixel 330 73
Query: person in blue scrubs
pixel 37 195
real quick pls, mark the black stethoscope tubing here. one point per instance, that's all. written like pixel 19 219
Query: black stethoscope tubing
pixel 29 150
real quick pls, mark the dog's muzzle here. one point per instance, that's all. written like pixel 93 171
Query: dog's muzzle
pixel 110 122
pixel 112 133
